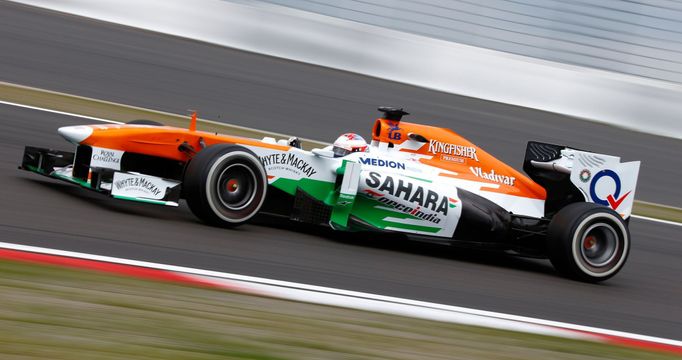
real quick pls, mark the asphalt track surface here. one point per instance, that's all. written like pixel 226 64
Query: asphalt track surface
pixel 88 58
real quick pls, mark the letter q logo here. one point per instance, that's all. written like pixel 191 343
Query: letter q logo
pixel 612 200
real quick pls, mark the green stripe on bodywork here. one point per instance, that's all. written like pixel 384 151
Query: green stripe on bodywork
pixel 420 179
pixel 364 208
pixel 344 202
pixel 147 201
pixel 32 168
pixel 428 229
pixel 320 190
pixel 342 210
pixel 80 182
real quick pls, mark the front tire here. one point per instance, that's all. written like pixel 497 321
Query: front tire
pixel 588 242
pixel 225 185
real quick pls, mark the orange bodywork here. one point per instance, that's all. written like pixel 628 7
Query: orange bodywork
pixel 464 159
pixel 457 156
pixel 163 141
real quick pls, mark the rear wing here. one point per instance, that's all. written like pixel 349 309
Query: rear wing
pixel 597 178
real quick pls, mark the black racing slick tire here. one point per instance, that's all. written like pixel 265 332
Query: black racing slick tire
pixel 225 185
pixel 588 242
pixel 144 122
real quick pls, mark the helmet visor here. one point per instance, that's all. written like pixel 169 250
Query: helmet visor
pixel 340 152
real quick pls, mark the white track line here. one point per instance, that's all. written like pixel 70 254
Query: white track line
pixel 59 112
pixel 369 302
pixel 667 222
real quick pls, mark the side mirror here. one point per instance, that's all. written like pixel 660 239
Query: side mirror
pixel 294 142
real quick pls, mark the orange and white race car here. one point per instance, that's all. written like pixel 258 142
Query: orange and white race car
pixel 425 181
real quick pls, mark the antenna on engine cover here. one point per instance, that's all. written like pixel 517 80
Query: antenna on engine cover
pixel 391 113
pixel 193 121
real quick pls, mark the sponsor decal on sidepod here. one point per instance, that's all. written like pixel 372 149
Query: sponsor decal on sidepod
pixel 417 212
pixel 288 161
pixel 492 176
pixel 439 147
pixel 383 163
pixel 432 217
pixel 415 194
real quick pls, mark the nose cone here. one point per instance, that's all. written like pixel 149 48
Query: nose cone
pixel 75 134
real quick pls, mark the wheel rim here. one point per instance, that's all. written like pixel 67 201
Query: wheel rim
pixel 236 186
pixel 599 245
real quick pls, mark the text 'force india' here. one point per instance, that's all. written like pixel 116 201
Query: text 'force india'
pixel 414 179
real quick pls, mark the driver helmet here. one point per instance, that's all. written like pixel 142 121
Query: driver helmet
pixel 349 143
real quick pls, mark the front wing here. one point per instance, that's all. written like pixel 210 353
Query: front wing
pixel 132 186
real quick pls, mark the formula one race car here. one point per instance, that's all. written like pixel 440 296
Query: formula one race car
pixel 414 179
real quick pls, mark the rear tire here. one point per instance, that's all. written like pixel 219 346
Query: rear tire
pixel 588 242
pixel 225 185
pixel 144 122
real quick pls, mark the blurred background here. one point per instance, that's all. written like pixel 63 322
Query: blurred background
pixel 641 38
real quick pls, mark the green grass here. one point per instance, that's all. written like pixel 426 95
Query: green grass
pixel 113 111
pixel 58 313
pixel 657 211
